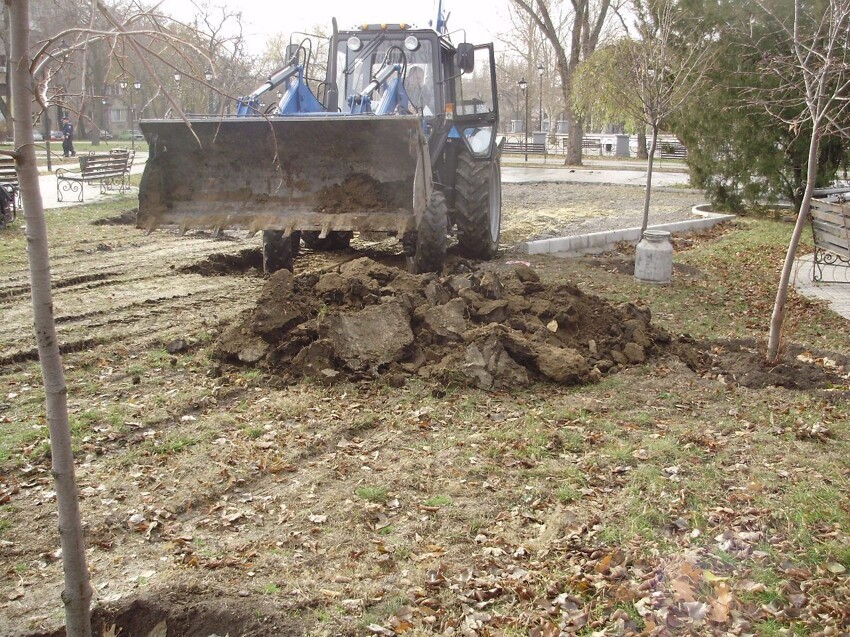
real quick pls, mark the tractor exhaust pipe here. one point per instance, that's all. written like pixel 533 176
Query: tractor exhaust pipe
pixel 332 94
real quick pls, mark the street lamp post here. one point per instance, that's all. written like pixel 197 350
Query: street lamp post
pixel 523 86
pixel 208 76
pixel 137 86
pixel 540 112
pixel 125 88
pixel 177 78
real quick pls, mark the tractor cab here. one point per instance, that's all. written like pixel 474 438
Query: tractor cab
pixel 404 60
pixel 393 69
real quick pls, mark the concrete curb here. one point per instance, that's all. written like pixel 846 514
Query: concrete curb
pixel 602 241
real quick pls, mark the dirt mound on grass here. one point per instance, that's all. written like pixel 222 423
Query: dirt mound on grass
pixel 742 362
pixel 471 325
pixel 126 218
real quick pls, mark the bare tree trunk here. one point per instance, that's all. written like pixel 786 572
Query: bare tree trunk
pixel 778 316
pixel 649 164
pixel 641 144
pixel 77 593
pixel 575 127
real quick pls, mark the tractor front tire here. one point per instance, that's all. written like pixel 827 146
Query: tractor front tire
pixel 336 240
pixel 279 252
pixel 430 253
pixel 478 212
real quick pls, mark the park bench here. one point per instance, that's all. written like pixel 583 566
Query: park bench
pixel 520 147
pixel 673 151
pixel 591 143
pixel 830 219
pixel 110 170
pixel 9 181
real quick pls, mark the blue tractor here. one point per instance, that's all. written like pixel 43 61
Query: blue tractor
pixel 397 137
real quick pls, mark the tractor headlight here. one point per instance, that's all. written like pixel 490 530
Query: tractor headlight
pixel 411 43
pixel 354 43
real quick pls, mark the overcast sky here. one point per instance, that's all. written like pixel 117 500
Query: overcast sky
pixel 482 20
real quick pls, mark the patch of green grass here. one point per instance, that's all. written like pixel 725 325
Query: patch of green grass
pixel 172 443
pixel 387 607
pixel 372 494
pixel 253 432
pixel 15 436
pixel 438 501
pixel 5 525
pixel 136 370
pixel 567 493
pixel 572 441
pixel 772 628
pixel 270 589
pixel 364 422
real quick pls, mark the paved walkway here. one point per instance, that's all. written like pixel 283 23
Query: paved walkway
pixel 601 174
pixel 597 171
pixel 836 294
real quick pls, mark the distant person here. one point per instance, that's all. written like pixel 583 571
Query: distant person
pixel 68 138
pixel 419 93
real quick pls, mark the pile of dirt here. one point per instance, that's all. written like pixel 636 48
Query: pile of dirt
pixel 742 362
pixel 363 192
pixel 470 325
pixel 225 264
pixel 126 218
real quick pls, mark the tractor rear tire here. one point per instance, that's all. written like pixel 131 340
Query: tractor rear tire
pixel 279 252
pixel 478 212
pixel 430 254
pixel 336 240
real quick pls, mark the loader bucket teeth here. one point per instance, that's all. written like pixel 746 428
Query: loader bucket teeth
pixel 284 173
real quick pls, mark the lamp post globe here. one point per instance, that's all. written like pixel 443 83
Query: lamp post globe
pixel 540 110
pixel 523 86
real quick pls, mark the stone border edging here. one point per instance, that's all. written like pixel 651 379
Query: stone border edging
pixel 601 241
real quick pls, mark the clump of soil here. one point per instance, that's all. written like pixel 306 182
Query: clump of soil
pixel 742 362
pixel 223 264
pixel 126 218
pixel 363 192
pixel 471 326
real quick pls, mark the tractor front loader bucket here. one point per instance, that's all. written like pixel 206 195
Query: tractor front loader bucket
pixel 322 172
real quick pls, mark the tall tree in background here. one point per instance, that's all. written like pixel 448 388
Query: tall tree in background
pixel 653 73
pixel 810 95
pixel 77 593
pixel 573 38
pixel 738 154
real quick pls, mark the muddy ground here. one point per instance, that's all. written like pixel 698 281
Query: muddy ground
pixel 334 452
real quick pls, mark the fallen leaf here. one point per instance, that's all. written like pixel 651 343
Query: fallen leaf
pixel 682 589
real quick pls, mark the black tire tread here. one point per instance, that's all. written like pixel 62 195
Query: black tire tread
pixel 336 240
pixel 473 209
pixel 278 252
pixel 431 236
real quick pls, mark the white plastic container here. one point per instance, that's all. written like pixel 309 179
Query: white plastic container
pixel 654 257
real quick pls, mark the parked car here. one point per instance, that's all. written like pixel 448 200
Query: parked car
pixel 37 136
pixel 134 134
pixel 56 135
pixel 105 135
